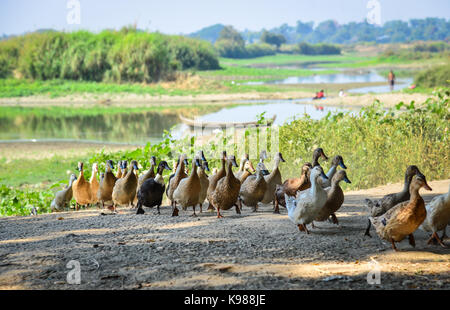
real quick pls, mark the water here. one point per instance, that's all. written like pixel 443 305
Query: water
pixel 133 128
pixel 337 78
pixel 401 84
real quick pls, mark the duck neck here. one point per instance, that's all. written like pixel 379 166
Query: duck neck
pixel 159 176
pixel 94 174
pixel 408 179
pixel 331 172
pixel 194 170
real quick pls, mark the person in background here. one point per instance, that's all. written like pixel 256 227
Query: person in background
pixel 319 95
pixel 341 93
pixel 391 79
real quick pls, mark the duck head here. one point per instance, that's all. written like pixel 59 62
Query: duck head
pixel 248 166
pixel 419 181
pixel 306 169
pixel 124 164
pixel 341 175
pixel 109 165
pixel 232 158
pixel 163 166
pixel 318 153
pixel 263 156
pixel 280 156
pixel 262 168
pixel 205 166
pixel 134 164
pixel 338 161
pixel 72 178
pixel 201 155
pixel 80 166
pixel 153 161
pixel 316 172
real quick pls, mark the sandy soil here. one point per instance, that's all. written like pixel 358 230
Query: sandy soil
pixel 250 251
pixel 43 150
pixel 390 100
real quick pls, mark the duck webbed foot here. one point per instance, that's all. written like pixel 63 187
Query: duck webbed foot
pixel 334 219
pixel 435 239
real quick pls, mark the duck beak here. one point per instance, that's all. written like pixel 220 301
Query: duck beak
pixel 206 166
pixel 347 180
pixel 234 163
pixel 322 154
pixel 427 187
pixel 166 166
pixel 342 165
pixel 282 159
pixel 203 156
pixel 197 162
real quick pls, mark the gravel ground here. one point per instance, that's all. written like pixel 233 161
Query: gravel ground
pixel 250 251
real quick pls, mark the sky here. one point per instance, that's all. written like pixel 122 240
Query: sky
pixel 186 16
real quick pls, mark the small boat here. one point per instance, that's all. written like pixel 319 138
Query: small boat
pixel 223 125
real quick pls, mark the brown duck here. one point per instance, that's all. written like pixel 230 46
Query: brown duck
pixel 174 180
pixel 272 180
pixel 335 198
pixel 81 189
pixel 253 188
pixel 107 183
pixel 213 179
pixel 125 189
pixel 404 218
pixel 290 187
pixel 95 185
pixel 226 193
pixel 188 190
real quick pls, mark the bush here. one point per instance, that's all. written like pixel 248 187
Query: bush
pixel 126 55
pixel 318 49
pixel 436 76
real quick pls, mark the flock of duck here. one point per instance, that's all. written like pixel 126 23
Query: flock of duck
pixel 314 196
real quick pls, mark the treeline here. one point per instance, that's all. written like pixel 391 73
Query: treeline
pixel 230 44
pixel 110 56
pixel 329 31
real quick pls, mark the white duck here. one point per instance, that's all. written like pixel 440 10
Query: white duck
pixel 438 217
pixel 304 208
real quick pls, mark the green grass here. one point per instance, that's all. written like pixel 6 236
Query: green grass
pixel 22 172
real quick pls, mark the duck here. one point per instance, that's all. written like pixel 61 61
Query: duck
pixel 213 179
pixel 303 208
pixel 335 198
pixel 188 190
pixel 151 192
pixel 124 168
pixel 262 157
pixel 254 188
pixel 175 179
pixel 62 198
pixel 95 185
pixel 241 170
pixel 81 189
pixel 273 179
pixel 438 217
pixel 226 192
pixel 125 189
pixel 291 186
pixel 204 182
pixel 149 174
pixel 107 184
pixel 248 171
pixel 379 207
pixel 337 161
pixel 119 169
pixel 317 154
pixel 404 218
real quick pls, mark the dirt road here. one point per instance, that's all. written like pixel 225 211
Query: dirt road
pixel 250 251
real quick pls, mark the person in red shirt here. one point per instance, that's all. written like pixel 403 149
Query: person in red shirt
pixel 320 95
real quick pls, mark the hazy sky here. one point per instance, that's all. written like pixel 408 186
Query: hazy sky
pixel 185 16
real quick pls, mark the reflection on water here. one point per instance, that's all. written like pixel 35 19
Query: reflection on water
pixel 337 78
pixel 284 109
pixel 133 128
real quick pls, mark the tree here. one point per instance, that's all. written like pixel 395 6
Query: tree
pixel 273 38
pixel 231 34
